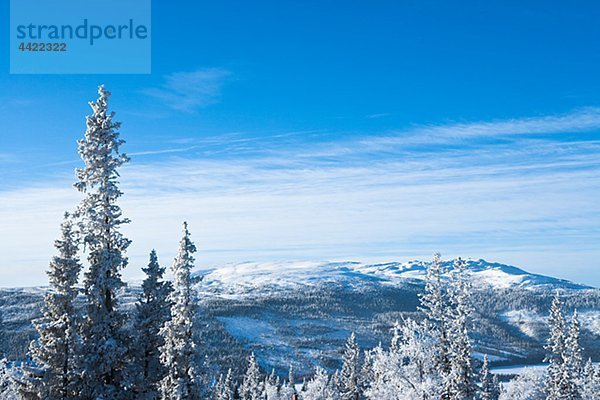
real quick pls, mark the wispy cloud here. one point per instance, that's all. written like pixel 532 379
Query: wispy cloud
pixel 16 102
pixel 162 151
pixel 8 158
pixel 189 91
pixel 529 200
pixel 584 120
pixel 378 115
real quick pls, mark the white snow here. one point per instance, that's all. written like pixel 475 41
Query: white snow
pixel 252 330
pixel 519 369
pixel 248 277
pixel 527 321
pixel 496 278
pixel 590 320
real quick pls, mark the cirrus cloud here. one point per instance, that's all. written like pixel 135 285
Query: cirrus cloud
pixel 189 91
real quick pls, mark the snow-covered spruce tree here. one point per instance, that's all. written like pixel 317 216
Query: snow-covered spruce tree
pixel 320 387
pixel 590 382
pixel 573 357
pixel 252 385
pixel 285 391
pixel 288 389
pixel 447 308
pixel 564 355
pixel 396 337
pixel 56 351
pixel 8 387
pixel 560 383
pixel 100 219
pixel 383 375
pixel 407 370
pixel 418 375
pixel 224 389
pixel 218 388
pixel 490 388
pixel 556 348
pixel 335 380
pixel 228 391
pixel 291 380
pixel 153 310
pixel 178 354
pixel 349 385
pixel 272 387
pixel 529 385
pixel 460 383
pixel 434 304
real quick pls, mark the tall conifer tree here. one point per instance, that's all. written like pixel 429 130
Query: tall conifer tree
pixel 56 351
pixel 349 377
pixel 100 222
pixel 152 312
pixel 178 354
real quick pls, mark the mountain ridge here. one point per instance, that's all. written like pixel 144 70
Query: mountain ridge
pixel 251 276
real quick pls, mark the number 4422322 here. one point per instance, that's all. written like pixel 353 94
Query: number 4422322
pixel 42 46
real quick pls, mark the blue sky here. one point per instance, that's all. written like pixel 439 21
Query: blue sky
pixel 330 130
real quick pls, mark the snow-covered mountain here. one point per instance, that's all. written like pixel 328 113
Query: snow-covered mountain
pixel 301 312
pixel 256 278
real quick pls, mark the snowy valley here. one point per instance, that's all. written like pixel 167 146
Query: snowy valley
pixel 301 313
